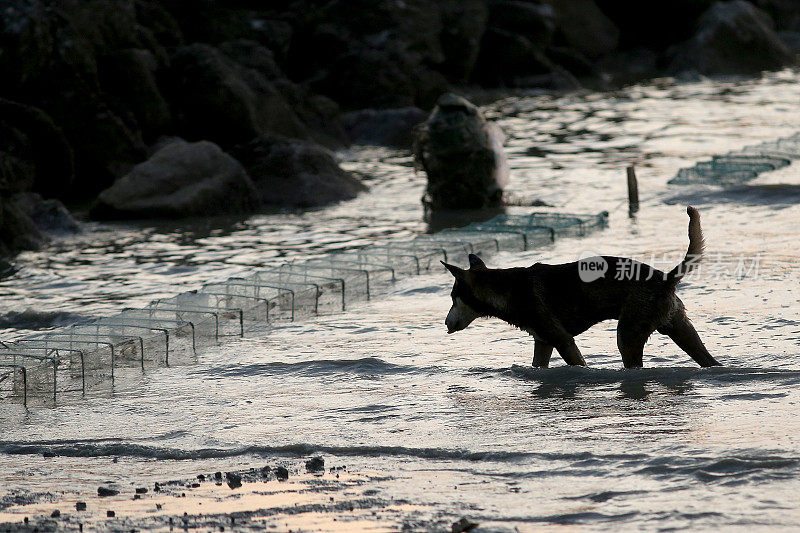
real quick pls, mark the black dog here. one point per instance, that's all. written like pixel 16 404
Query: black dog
pixel 554 303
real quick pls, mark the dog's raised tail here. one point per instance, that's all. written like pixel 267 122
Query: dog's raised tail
pixel 695 251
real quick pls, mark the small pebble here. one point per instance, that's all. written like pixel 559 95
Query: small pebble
pixel 217 475
pixel 201 477
pixel 141 490
pixel 111 514
pixel 55 514
pixel 105 491
pixel 80 506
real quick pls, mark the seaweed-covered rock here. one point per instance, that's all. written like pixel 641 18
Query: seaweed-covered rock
pixel 733 37
pixel 290 172
pixel 180 180
pixel 462 155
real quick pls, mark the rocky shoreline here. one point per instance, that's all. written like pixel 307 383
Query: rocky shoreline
pixel 145 109
pixel 301 495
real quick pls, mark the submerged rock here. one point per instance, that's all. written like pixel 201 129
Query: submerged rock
pixel 180 180
pixel 462 155
pixel 290 172
pixel 733 37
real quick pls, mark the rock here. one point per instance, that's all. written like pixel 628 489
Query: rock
pixel 234 480
pixel 732 37
pixel 141 490
pixel 370 53
pixel 215 98
pixel 534 22
pixel 315 464
pixel 180 180
pixel 111 514
pixel 80 506
pixel 289 172
pixel 462 525
pixel 34 154
pixel 130 76
pixel 50 216
pixel 463 25
pixel 581 25
pixel 17 231
pixel 104 492
pixel 785 13
pixel 462 155
pixel 791 39
pixel 55 514
pixel 676 21
pixel 320 114
pixel 507 58
pixel 281 473
pixel 384 127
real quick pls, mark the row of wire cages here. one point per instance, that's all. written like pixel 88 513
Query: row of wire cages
pixel 740 166
pixel 171 331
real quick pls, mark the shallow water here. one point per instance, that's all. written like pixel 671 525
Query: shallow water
pixel 460 424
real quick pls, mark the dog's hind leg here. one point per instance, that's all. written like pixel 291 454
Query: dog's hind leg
pixel 541 354
pixel 681 330
pixel 569 351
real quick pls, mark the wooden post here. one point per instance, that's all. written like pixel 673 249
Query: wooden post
pixel 633 191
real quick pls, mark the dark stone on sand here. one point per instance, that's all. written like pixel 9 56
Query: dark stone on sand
pixel 315 464
pixel 281 473
pixel 80 506
pixel 462 525
pixel 234 480
pixel 157 488
pixel 201 477
pixel 111 514
pixel 55 514
pixel 265 471
pixel 105 491
pixel 141 490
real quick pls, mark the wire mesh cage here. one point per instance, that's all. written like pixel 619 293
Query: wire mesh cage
pixel 171 330
pixel 740 166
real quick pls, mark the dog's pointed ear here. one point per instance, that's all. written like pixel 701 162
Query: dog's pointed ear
pixel 454 270
pixel 476 263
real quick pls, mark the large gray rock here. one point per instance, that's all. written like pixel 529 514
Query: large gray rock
pixel 289 172
pixel 180 180
pixel 462 155
pixel 733 37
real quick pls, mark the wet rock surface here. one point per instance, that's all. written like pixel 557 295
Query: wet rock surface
pixel 130 72
pixel 462 155
pixel 295 173
pixel 180 180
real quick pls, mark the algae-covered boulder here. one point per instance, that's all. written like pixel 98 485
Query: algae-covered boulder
pixel 462 154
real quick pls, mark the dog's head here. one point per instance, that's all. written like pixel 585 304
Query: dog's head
pixel 462 313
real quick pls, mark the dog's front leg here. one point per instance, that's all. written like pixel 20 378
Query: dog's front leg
pixel 541 354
